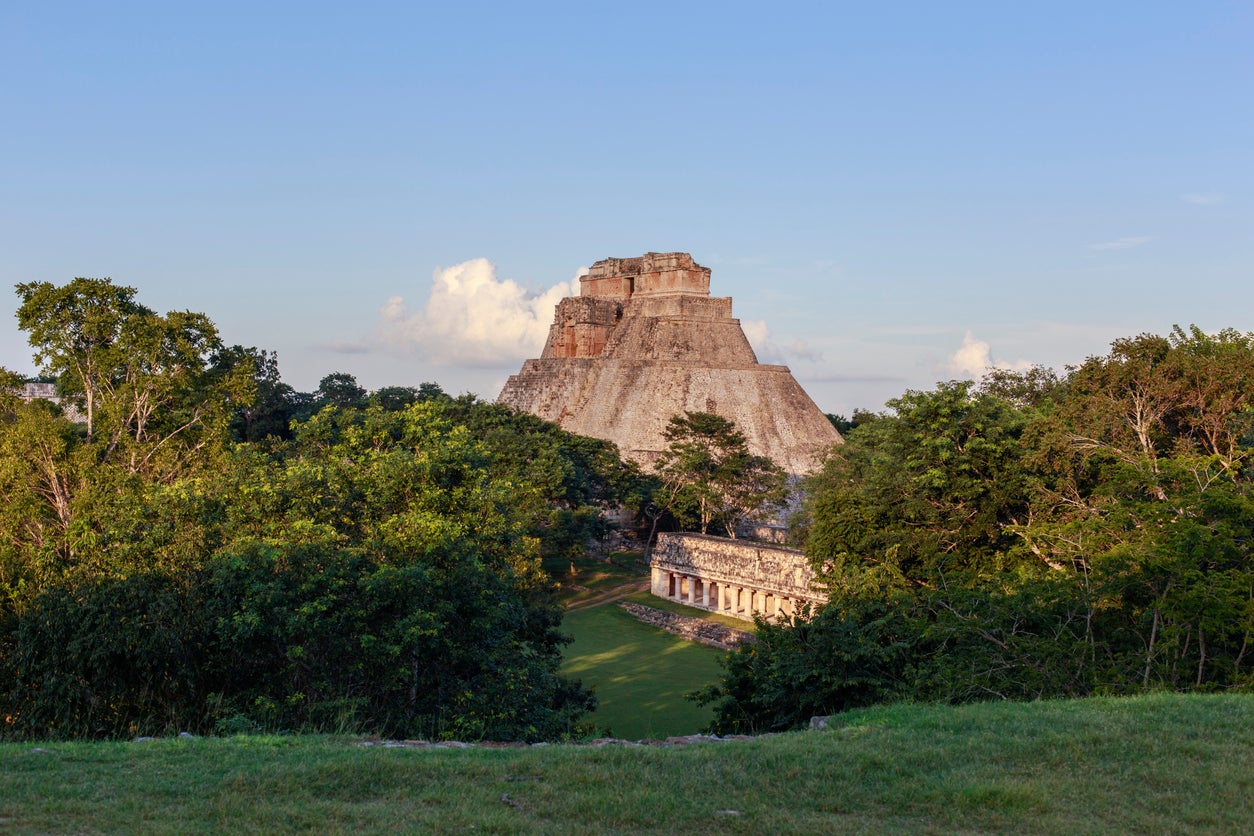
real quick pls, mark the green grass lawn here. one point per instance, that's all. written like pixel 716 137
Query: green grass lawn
pixel 1154 764
pixel 641 673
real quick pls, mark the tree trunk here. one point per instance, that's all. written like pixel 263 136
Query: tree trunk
pixel 1149 653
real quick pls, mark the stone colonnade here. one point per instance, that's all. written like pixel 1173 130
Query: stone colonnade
pixel 735 599
pixel 732 577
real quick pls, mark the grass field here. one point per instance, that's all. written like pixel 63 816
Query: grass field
pixel 641 673
pixel 1155 764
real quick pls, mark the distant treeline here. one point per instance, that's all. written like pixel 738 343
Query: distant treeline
pixel 1035 535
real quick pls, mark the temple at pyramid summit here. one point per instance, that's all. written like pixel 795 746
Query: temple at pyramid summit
pixel 644 341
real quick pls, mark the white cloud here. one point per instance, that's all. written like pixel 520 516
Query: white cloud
pixel 1122 243
pixel 1203 198
pixel 972 359
pixel 975 357
pixel 472 318
pixel 346 347
pixel 802 351
pixel 759 336
pixel 768 351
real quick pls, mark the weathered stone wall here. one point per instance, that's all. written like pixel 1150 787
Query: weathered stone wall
pixel 581 327
pixel 697 630
pixel 683 306
pixel 733 577
pixel 666 273
pixel 48 392
pixel 548 388
pixel 631 403
pixel 40 391
pixel 688 341
pixel 773 533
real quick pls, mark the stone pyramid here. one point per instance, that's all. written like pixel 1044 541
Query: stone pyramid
pixel 644 341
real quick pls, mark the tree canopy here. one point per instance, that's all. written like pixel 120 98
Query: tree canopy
pixel 212 550
pixel 1038 535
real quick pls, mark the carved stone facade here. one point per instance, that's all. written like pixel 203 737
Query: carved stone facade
pixel 645 341
pixel 732 577
pixel 48 392
pixel 39 391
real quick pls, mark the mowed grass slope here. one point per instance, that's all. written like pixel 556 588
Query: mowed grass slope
pixel 1154 764
pixel 640 673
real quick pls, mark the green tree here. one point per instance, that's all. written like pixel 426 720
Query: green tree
pixel 340 389
pixel 1032 387
pixel 395 397
pixel 379 569
pixel 75 330
pixel 273 405
pixel 1035 536
pixel 579 478
pixel 709 475
pixel 40 478
pixel 842 424
pixel 106 657
pixel 143 381
pixel 10 386
pixel 923 490
pixel 374 573
pixel 82 500
pixel 1143 497
pixel 847 655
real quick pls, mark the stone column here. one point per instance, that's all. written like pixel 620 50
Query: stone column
pixel 692 590
pixel 705 594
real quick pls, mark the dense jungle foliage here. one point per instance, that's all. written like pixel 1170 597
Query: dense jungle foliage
pixel 1033 536
pixel 202 548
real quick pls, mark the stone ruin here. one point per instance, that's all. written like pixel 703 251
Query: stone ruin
pixel 737 578
pixel 644 341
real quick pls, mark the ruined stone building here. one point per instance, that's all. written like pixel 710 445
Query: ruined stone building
pixel 738 578
pixel 644 341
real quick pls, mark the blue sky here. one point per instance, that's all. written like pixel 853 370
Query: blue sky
pixel 893 193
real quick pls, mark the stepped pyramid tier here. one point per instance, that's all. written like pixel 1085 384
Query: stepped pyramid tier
pixel 644 341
